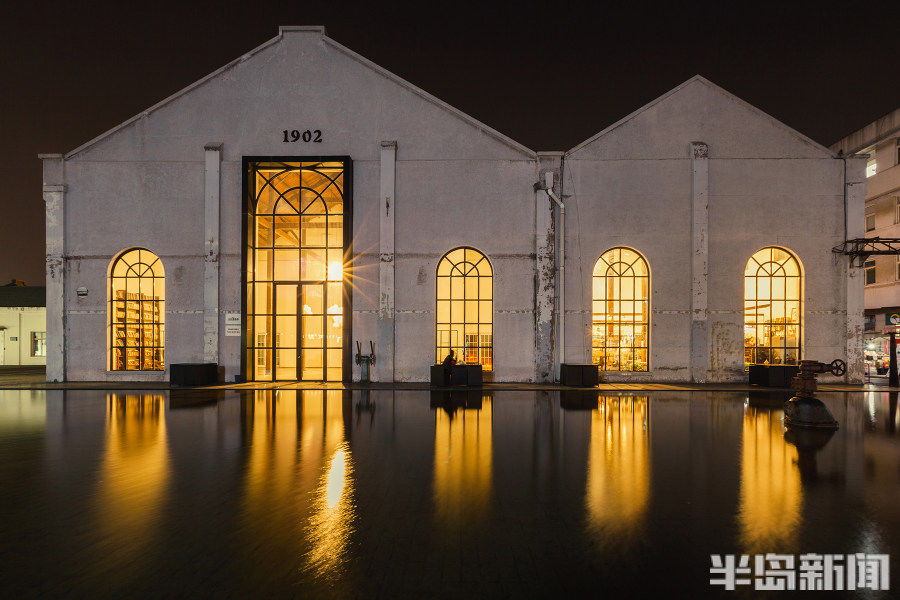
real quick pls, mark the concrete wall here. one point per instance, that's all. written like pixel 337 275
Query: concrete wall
pixel 16 326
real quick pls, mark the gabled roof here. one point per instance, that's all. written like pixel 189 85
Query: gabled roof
pixel 343 49
pixel 702 80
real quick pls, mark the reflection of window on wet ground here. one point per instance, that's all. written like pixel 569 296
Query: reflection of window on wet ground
pixel 134 476
pixel 618 478
pixel 771 496
pixel 463 439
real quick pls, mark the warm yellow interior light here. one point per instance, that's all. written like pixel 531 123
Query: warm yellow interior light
pixel 335 271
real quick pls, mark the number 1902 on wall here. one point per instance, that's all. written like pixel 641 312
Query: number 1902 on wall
pixel 295 135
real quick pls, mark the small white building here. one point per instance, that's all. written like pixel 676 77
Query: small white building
pixel 301 200
pixel 23 325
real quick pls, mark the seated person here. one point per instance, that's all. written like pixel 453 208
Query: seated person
pixel 448 363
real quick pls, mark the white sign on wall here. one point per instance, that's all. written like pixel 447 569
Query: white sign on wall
pixel 232 324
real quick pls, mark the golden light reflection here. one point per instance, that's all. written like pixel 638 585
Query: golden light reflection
pixel 463 449
pixel 134 474
pixel 771 494
pixel 22 411
pixel 299 487
pixel 331 524
pixel 618 479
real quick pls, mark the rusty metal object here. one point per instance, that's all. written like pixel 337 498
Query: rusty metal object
pixel 365 361
pixel 805 410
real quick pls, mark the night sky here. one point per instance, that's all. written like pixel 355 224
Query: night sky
pixel 549 74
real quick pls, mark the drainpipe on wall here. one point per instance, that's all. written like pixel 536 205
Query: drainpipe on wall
pixel 548 182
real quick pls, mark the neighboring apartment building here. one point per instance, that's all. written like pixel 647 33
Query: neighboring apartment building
pixel 880 141
pixel 23 324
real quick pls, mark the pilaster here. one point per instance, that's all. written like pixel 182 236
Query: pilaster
pixel 700 355
pixel 384 348
pixel 212 192
pixel 54 192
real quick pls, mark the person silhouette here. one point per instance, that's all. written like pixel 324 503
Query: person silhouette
pixel 448 363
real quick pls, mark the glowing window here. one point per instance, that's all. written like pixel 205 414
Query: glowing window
pixel 136 312
pixel 295 272
pixel 772 308
pixel 465 307
pixel 870 167
pixel 620 328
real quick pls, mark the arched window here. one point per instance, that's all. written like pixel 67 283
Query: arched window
pixel 620 328
pixel 137 294
pixel 772 308
pixel 464 307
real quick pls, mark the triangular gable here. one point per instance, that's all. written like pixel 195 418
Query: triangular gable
pixel 335 45
pixel 811 145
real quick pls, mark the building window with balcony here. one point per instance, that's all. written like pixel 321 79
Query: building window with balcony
pixel 870 271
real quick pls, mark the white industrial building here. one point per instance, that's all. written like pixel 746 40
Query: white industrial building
pixel 302 199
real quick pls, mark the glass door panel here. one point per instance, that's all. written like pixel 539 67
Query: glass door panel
pixel 286 331
pixel 312 331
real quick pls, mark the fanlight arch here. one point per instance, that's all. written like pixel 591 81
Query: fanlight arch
pixel 464 297
pixel 137 293
pixel 620 326
pixel 773 308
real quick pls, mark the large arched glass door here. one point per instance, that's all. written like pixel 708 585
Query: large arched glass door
pixel 296 288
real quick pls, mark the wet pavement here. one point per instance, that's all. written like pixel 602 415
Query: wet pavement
pixel 330 493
